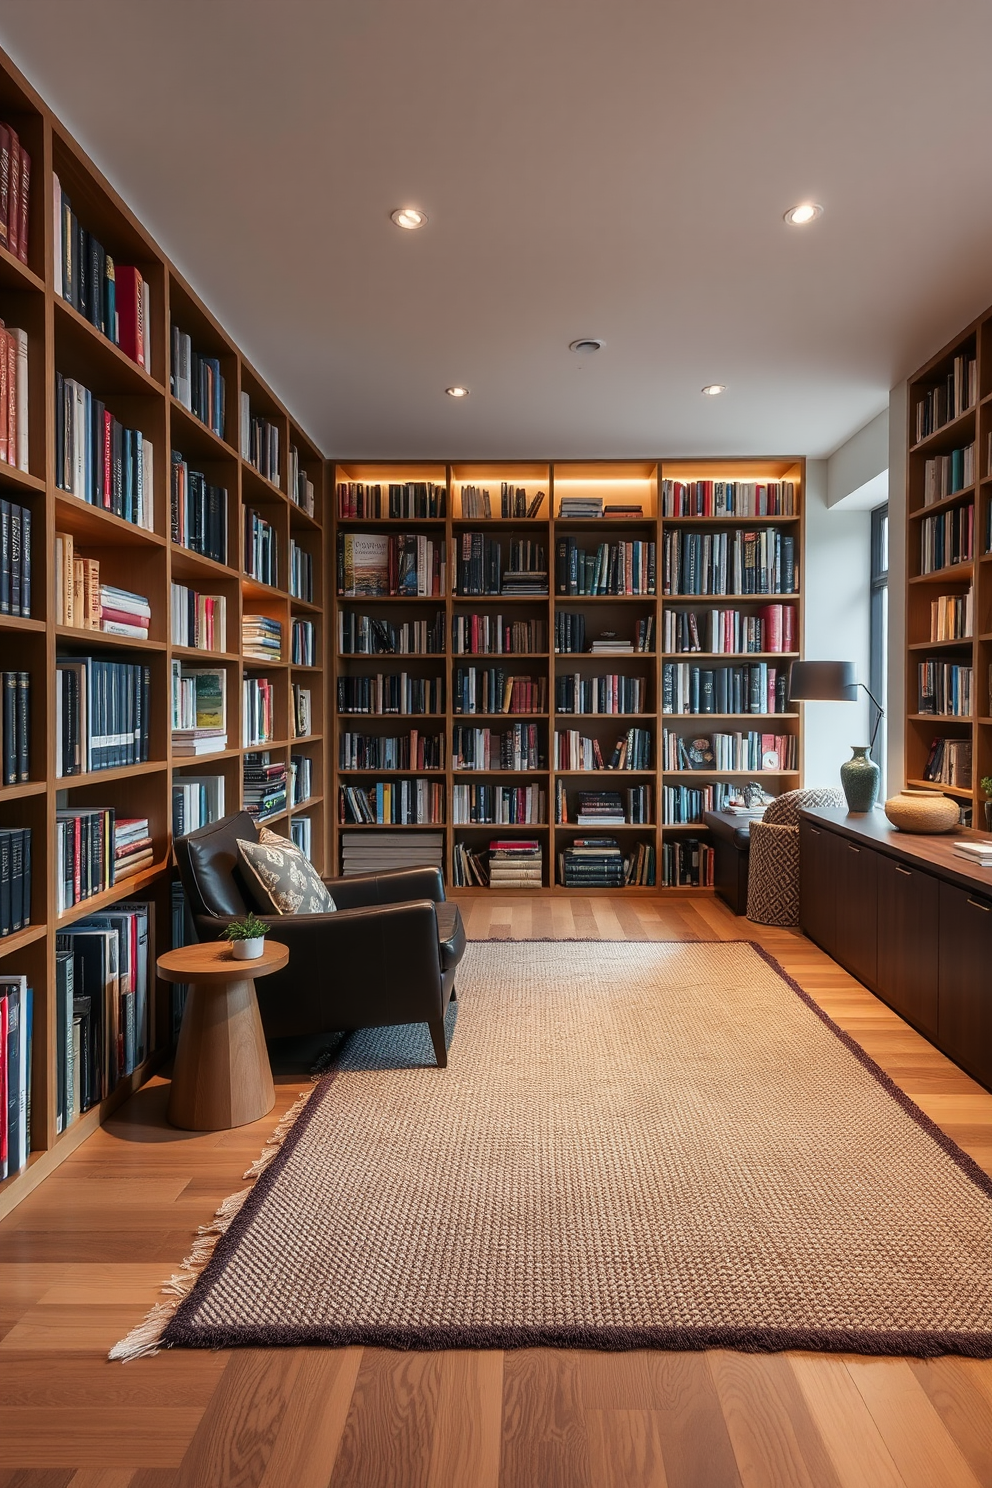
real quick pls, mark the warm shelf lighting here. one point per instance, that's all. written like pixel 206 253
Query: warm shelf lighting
pixel 408 217
pixel 714 389
pixel 805 212
pixel 457 392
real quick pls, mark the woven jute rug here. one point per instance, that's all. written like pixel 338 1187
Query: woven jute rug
pixel 633 1145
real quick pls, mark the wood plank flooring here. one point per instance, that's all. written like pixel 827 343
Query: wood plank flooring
pixel 84 1256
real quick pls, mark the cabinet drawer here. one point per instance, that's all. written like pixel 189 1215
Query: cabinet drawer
pixel 964 983
pixel 818 852
pixel 907 943
pixel 856 929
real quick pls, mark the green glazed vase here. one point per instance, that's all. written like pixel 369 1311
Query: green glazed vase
pixel 860 778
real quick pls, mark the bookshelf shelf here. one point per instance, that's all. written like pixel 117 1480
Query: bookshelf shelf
pixel 100 638
pixel 22 622
pixel 79 346
pixel 106 777
pixel 96 525
pixel 960 642
pixel 10 945
pixel 18 792
pixel 948 790
pixel 196 440
pixel 17 276
pixel 948 433
pixel 128 886
pixel 954 573
pixel 956 498
pixel 20 480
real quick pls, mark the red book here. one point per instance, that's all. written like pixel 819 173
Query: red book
pixel 25 197
pixel 4 185
pixel 14 196
pixel 130 315
pixel 123 617
pixel 4 400
pixel 11 398
pixel 108 473
pixel 788 628
pixel 772 615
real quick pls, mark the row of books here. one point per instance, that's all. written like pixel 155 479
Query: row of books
pixel 261 555
pixel 739 562
pixel 633 806
pixel 736 751
pixel 198 512
pixel 94 851
pixel 15 193
pixel 102 979
pixel 197 382
pixel 687 803
pixel 15 559
pixel 303 643
pixel 301 488
pixel 613 693
pixel 412 751
pixel 492 690
pixel 102 713
pixel 99 459
pixel 582 508
pixel 952 616
pixel 687 863
pixel 375 852
pixel 197 800
pixel 945 475
pixel 259 442
pixel 301 835
pixel 265 785
pixel 949 763
pixel 15 727
pixel 373 564
pixel 592 863
pixel 301 706
pixel 498 805
pixel 947 539
pixel 573 751
pixel 481 566
pixel 403 500
pixel 519 748
pixel 14 390
pixel 300 780
pixel 258 711
pixel 754 688
pixel 15 879
pixel 124 613
pixel 198 620
pixel 956 392
pixel 611 568
pixel 261 638
pixel 198 714
pixel 497 635
pixel 410 802
pixel 395 692
pixel 715 498
pixel 369 635
pixel 514 503
pixel 772 628
pixel 946 688
pixel 114 298
pixel 16 1029
pixel 570 637
pixel 300 572
pixel 84 603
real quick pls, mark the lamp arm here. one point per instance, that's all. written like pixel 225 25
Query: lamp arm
pixel 881 713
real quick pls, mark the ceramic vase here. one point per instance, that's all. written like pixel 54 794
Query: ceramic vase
pixel 860 778
pixel 923 811
pixel 248 950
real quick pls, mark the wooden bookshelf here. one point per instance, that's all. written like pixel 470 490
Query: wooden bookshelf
pixel 633 482
pixel 147 561
pixel 968 425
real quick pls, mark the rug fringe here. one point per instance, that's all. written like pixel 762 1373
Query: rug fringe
pixel 145 1339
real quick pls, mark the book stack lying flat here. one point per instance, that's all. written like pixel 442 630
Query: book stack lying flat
pixel 261 638
pixel 600 809
pixel 123 613
pixel 592 863
pixel 622 509
pixel 515 863
pixel 265 786
pixel 611 646
pixel 979 854
pixel 373 852
pixel 132 846
pixel 581 506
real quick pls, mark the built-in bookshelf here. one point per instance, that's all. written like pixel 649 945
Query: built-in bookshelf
pixel 539 634
pixel 132 393
pixel 949 567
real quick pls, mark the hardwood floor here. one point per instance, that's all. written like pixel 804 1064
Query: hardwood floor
pixel 85 1255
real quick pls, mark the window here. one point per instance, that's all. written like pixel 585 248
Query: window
pixel 879 625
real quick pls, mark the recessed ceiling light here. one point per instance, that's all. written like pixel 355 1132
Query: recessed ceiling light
pixel 408 217
pixel 714 389
pixel 804 213
pixel 457 392
pixel 586 345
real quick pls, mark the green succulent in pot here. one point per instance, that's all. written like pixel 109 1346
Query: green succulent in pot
pixel 247 937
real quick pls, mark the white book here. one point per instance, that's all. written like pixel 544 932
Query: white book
pixel 79 425
pixel 57 219
pixel 245 426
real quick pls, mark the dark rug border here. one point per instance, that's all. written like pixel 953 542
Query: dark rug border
pixel 181 1333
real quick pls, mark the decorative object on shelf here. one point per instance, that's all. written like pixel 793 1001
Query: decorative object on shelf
pixel 835 682
pixel 247 937
pixel 987 788
pixel 924 811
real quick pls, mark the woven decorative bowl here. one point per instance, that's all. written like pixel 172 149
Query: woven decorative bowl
pixel 922 811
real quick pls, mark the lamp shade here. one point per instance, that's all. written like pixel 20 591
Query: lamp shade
pixel 823 682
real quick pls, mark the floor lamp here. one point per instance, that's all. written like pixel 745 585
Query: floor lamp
pixel 835 682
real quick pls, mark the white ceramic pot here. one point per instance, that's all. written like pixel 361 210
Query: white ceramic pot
pixel 248 950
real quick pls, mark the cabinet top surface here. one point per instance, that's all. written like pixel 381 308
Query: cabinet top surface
pixel 935 853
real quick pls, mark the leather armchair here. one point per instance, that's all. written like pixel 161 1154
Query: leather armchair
pixel 387 954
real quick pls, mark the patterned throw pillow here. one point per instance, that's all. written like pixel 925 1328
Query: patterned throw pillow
pixel 286 882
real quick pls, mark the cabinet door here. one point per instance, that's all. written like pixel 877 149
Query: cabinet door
pixel 964 985
pixel 906 976
pixel 856 929
pixel 818 851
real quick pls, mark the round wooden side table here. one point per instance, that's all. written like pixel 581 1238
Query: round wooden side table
pixel 222 1077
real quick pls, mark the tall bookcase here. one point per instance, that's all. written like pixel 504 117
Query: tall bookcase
pixel 637 483
pixel 147 561
pixel 942 487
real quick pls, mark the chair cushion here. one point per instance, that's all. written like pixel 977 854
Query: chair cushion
pixel 281 878
pixel 451 935
pixel 211 866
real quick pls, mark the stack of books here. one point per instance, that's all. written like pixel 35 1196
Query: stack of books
pixel 600 809
pixel 592 863
pixel 123 613
pixel 261 638
pixel 979 854
pixel 580 506
pixel 623 509
pixel 265 786
pixel 132 846
pixel 515 863
pixel 199 710
pixel 611 646
pixel 375 852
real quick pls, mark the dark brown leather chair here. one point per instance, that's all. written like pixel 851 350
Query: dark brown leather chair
pixel 388 954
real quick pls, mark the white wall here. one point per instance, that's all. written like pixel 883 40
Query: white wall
pixel 836 582
pixel 857 472
pixel 895 706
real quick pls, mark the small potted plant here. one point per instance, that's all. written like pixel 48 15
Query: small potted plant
pixel 987 788
pixel 247 937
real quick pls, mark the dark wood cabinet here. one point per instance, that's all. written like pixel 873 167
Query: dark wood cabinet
pixel 906 966
pixel 964 985
pixel 818 854
pixel 855 909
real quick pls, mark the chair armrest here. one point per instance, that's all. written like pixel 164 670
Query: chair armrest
pixel 396 886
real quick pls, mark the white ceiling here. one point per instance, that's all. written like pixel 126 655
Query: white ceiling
pixel 614 169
